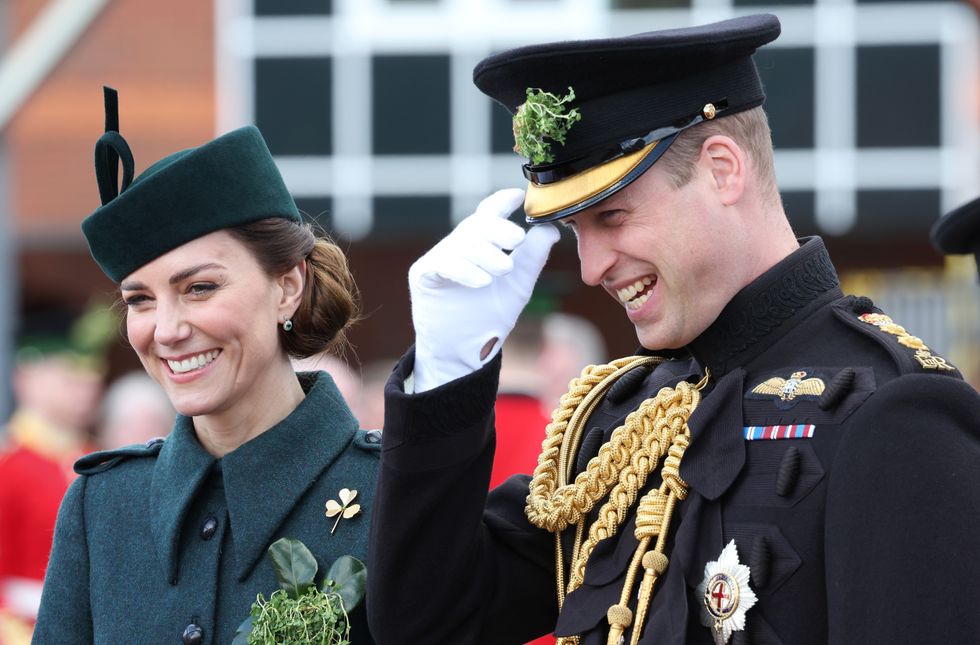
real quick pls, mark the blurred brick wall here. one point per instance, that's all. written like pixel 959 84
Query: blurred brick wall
pixel 159 55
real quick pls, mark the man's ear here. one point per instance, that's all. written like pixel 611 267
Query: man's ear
pixel 291 283
pixel 725 160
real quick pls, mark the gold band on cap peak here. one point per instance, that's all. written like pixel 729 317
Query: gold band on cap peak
pixel 543 200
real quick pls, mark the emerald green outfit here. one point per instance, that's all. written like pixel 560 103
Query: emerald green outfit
pixel 165 543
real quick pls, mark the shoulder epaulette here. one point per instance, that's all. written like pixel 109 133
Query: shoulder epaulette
pixel 369 440
pixel 103 460
pixel 909 352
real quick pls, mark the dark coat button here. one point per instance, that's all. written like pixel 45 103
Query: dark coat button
pixel 373 436
pixel 193 635
pixel 208 528
pixel 837 389
pixel 628 384
pixel 789 472
pixel 760 559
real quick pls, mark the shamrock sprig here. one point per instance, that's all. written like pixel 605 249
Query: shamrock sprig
pixel 299 612
pixel 543 116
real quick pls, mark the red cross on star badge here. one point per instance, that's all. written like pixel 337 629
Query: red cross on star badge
pixel 725 594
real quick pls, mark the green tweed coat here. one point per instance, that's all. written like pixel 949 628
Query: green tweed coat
pixel 167 544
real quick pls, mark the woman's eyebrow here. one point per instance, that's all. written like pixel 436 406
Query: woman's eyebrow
pixel 186 273
pixel 175 278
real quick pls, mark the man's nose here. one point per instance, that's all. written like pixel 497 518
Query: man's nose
pixel 595 257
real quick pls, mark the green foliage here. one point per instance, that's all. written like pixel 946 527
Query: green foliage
pixel 542 116
pixel 298 613
pixel 347 578
pixel 294 564
pixel 314 618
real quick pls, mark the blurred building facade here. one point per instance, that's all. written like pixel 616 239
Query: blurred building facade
pixel 160 56
pixel 369 108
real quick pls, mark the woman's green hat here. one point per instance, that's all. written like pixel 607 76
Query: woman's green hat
pixel 227 182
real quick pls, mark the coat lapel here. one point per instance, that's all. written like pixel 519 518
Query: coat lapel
pixel 717 451
pixel 266 477
pixel 179 471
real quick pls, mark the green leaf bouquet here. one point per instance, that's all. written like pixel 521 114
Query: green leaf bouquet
pixel 300 613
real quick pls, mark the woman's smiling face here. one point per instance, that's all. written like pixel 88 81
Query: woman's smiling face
pixel 203 319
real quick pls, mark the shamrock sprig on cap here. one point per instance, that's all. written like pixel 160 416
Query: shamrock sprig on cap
pixel 344 509
pixel 543 115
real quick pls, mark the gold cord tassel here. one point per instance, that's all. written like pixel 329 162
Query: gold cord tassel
pixel 620 617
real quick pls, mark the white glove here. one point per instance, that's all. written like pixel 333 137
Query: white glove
pixel 467 291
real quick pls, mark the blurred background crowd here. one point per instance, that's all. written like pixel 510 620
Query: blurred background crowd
pixel 369 109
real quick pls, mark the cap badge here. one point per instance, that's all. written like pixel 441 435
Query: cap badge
pixel 726 594
pixel 786 391
pixel 709 111
pixel 543 116
pixel 345 509
pixel 926 358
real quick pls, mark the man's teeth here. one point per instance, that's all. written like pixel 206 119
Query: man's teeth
pixel 638 302
pixel 627 294
pixel 192 363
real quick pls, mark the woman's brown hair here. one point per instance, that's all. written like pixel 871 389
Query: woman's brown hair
pixel 330 303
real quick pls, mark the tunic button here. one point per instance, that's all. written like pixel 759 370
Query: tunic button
pixel 373 436
pixel 193 635
pixel 208 528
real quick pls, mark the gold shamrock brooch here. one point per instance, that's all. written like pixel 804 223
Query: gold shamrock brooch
pixel 344 509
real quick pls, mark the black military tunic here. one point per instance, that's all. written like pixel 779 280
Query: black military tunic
pixel 857 510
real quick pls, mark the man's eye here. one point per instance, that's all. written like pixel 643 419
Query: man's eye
pixel 611 217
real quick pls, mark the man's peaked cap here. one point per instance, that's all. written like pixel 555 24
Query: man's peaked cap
pixel 625 89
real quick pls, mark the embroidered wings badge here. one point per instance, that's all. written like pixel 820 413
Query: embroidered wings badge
pixel 786 391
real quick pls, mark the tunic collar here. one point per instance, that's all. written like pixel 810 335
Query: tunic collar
pixel 263 478
pixel 761 313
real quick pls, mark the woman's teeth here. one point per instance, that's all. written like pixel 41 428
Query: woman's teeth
pixel 192 363
pixel 628 297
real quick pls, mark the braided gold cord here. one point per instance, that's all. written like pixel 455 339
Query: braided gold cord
pixel 652 430
pixel 656 430
pixel 653 519
pixel 553 505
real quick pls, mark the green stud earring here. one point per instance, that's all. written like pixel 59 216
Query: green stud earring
pixel 288 325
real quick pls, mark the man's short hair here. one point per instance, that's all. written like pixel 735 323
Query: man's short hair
pixel 749 129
